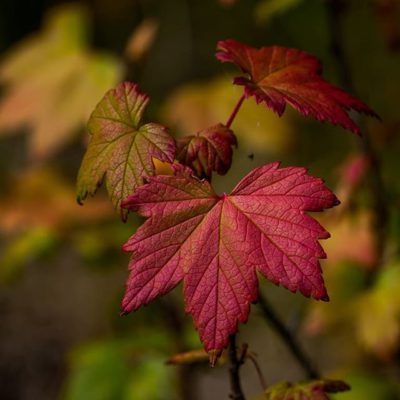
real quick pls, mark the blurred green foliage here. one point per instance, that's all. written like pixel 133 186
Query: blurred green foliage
pixel 126 369
pixel 366 385
pixel 35 243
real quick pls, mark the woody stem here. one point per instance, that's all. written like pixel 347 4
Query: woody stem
pixel 235 364
pixel 287 337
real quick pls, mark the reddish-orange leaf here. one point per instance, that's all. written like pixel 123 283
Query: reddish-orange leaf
pixel 278 76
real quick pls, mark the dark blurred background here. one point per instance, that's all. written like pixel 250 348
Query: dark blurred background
pixel 62 271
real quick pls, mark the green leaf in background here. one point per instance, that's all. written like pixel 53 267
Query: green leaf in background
pixel 31 245
pixel 378 316
pixel 99 245
pixel 99 372
pixel 122 369
pixel 121 150
pixel 368 386
pixel 152 380
pixel 267 9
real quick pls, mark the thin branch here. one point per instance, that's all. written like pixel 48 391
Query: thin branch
pixel 253 359
pixel 235 111
pixel 289 339
pixel 335 12
pixel 235 364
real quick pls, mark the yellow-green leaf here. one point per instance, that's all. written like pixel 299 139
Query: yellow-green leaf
pixel 121 149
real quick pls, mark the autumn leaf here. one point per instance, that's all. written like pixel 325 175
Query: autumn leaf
pixel 121 149
pixel 56 68
pixel 209 150
pixel 314 390
pixel 217 244
pixel 278 76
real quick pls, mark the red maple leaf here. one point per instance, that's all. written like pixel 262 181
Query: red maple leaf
pixel 216 244
pixel 209 150
pixel 278 75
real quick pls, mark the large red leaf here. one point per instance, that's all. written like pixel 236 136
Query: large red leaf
pixel 121 149
pixel 216 244
pixel 209 150
pixel 278 75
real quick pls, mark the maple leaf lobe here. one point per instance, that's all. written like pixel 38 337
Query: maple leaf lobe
pixel 217 244
pixel 278 76
pixel 121 150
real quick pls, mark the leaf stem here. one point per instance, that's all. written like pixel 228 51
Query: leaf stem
pixel 235 111
pixel 235 364
pixel 335 11
pixel 289 339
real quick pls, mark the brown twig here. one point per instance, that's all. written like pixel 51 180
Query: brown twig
pixel 235 364
pixel 288 338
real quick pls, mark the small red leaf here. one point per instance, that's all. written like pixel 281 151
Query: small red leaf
pixel 208 150
pixel 216 244
pixel 278 76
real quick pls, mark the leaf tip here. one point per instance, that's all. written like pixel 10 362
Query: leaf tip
pixel 79 200
pixel 213 356
pixel 124 214
pixel 336 202
pixel 325 297
pixel 125 247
